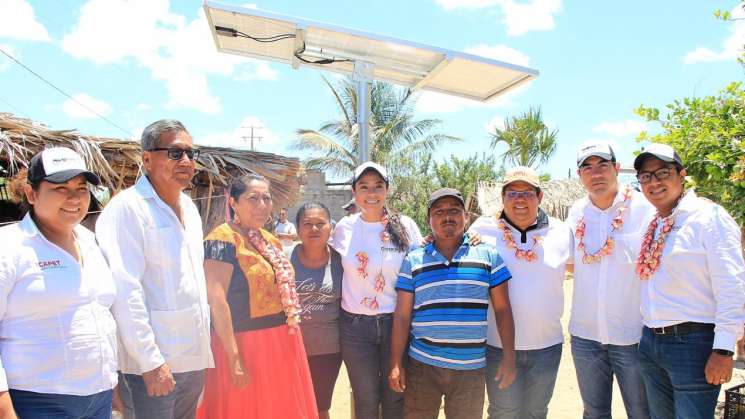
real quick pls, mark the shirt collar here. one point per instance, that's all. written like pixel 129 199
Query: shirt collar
pixel 541 222
pixel 28 226
pixel 432 250
pixel 689 202
pixel 616 200
pixel 145 188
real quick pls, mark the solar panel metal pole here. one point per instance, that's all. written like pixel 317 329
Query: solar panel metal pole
pixel 363 72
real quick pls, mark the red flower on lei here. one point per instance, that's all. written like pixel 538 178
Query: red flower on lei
pixel 526 255
pixel 610 244
pixel 650 254
pixel 283 275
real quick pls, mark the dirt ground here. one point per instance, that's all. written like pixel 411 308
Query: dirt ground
pixel 565 403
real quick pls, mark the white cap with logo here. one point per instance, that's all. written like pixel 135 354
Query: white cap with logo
pixel 595 148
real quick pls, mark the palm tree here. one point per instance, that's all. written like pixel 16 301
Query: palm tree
pixel 529 141
pixel 395 134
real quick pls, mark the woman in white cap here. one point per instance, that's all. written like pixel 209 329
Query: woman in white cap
pixel 372 245
pixel 57 335
pixel 692 275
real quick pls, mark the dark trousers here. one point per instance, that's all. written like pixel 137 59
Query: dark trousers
pixel 427 384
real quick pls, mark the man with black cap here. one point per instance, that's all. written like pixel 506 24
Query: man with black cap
pixel 605 322
pixel 444 290
pixel 692 276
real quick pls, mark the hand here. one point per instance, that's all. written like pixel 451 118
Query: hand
pixel 474 238
pixel 505 373
pixel 427 239
pixel 718 369
pixel 238 374
pixel 6 406
pixel 159 382
pixel 397 379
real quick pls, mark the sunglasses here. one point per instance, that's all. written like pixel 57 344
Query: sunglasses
pixel 520 194
pixel 660 174
pixel 178 153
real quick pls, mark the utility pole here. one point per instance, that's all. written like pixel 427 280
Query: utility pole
pixel 252 137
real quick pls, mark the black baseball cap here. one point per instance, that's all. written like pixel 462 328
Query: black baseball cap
pixel 445 193
pixel 58 165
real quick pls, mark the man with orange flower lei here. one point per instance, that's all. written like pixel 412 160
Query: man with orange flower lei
pixel 605 323
pixel 692 276
pixel 535 248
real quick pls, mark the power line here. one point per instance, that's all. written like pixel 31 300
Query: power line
pixel 65 94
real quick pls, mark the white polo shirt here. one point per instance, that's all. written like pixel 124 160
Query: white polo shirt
pixel 537 288
pixel 702 274
pixel 57 334
pixel 161 305
pixel 285 228
pixel 352 235
pixel 606 296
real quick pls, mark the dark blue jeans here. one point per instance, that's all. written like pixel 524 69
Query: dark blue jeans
pixel 529 394
pixel 181 403
pixel 30 405
pixel 596 364
pixel 673 371
pixel 366 351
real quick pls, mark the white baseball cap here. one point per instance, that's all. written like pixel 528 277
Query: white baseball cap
pixel 594 148
pixel 662 151
pixel 364 167
pixel 58 165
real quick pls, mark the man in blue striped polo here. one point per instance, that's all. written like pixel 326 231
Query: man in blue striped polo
pixel 444 290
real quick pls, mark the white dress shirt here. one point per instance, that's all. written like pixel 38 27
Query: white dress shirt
pixel 606 297
pixel 286 228
pixel 702 274
pixel 351 235
pixel 537 288
pixel 161 306
pixel 57 334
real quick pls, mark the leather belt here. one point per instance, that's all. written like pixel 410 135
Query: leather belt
pixel 682 328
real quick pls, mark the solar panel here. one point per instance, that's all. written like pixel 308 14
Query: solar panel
pixel 395 61
pixel 365 56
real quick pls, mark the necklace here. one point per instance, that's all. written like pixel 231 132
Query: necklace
pixel 526 255
pixel 651 250
pixel 608 246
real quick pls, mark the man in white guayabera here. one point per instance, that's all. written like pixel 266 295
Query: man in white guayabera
pixel 151 235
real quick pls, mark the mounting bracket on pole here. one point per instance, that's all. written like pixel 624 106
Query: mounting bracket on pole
pixel 363 75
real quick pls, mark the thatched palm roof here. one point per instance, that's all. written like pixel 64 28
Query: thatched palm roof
pixel 558 197
pixel 118 162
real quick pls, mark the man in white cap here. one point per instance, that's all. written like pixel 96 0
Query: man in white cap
pixel 535 248
pixel 606 323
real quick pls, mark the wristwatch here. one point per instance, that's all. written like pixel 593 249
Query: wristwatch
pixel 723 352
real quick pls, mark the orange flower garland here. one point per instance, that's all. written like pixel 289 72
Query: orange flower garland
pixel 651 251
pixel 526 255
pixel 609 244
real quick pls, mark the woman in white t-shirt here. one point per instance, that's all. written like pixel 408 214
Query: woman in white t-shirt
pixel 372 245
pixel 57 335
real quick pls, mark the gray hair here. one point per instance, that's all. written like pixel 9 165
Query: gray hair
pixel 151 134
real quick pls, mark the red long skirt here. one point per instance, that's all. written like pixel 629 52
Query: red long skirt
pixel 280 385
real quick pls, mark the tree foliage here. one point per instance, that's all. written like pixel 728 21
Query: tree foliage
pixel 529 141
pixel 395 134
pixel 709 135
pixel 417 178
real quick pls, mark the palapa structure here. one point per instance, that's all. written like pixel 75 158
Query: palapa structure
pixel 118 163
pixel 558 197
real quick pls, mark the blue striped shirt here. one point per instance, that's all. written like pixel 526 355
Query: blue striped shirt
pixel 451 299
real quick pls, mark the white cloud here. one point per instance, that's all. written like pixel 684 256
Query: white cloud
pixel 519 17
pixel 143 107
pixel 179 52
pixel 74 110
pixel 620 129
pixel 240 137
pixel 732 46
pixel 497 121
pixel 17 21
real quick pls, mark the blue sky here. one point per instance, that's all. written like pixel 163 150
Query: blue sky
pixel 136 61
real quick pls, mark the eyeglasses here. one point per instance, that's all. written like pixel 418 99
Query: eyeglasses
pixel 603 167
pixel 660 174
pixel 520 194
pixel 178 153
